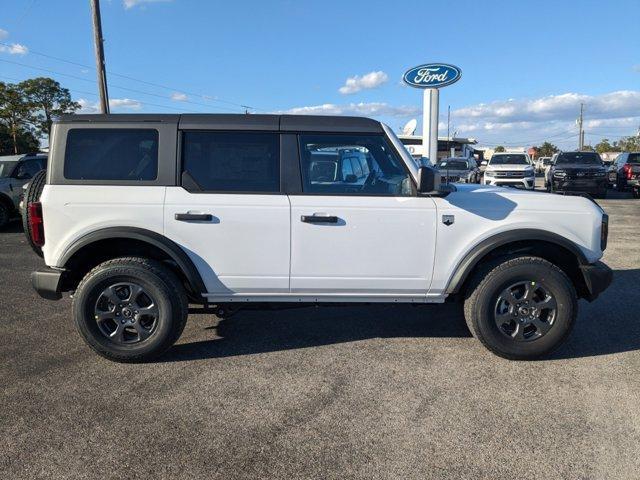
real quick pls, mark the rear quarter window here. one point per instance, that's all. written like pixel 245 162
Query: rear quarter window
pixel 111 154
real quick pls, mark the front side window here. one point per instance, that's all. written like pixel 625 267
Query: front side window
pixel 231 161
pixel 352 165
pixel 27 169
pixel 111 154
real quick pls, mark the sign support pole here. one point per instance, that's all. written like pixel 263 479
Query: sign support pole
pixel 430 112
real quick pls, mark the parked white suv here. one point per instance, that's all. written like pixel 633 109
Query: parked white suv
pixel 143 214
pixel 510 169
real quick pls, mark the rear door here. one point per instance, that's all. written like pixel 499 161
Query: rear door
pixel 374 239
pixel 229 213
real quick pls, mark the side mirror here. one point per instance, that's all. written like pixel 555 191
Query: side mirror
pixel 428 180
pixel 484 163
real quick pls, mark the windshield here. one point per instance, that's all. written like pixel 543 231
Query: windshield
pixel 402 150
pixel 453 164
pixel 510 159
pixel 6 168
pixel 581 158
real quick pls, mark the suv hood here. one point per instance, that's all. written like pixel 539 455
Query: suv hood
pixel 583 168
pixel 486 198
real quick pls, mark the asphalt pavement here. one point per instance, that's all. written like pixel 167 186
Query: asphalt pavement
pixel 381 392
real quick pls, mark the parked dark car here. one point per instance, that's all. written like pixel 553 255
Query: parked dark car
pixel 15 171
pixel 625 172
pixel 578 172
pixel 459 170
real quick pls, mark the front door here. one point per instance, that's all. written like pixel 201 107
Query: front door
pixel 229 215
pixel 358 229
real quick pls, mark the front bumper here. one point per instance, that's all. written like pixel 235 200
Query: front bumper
pixel 522 182
pixel 597 278
pixel 48 282
pixel 586 186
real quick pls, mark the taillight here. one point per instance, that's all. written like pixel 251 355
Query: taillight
pixel 36 224
pixel 604 232
pixel 628 171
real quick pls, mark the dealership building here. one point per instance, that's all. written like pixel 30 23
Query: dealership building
pixel 447 147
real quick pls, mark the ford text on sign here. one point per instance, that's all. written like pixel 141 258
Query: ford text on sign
pixel 432 75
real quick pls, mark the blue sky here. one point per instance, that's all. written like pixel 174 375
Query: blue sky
pixel 527 65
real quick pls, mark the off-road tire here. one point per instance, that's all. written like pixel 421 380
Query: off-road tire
pixel 156 279
pixel 32 194
pixel 491 279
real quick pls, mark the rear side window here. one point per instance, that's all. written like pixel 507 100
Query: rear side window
pixel 231 162
pixel 633 158
pixel 111 154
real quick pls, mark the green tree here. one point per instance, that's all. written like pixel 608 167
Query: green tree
pixel 547 149
pixel 499 149
pixel 629 144
pixel 588 148
pixel 604 146
pixel 16 112
pixel 49 100
pixel 25 140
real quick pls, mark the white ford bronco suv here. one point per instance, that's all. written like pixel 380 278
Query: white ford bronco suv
pixel 142 215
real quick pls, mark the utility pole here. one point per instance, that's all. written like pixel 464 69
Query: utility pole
pixel 581 131
pixel 98 41
pixel 448 125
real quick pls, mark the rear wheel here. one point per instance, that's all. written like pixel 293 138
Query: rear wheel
pixel 32 194
pixel 130 309
pixel 520 308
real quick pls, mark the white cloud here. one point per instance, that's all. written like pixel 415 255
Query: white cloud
pixel 12 49
pixel 367 109
pixel 179 97
pixel 87 106
pixel 125 103
pixel 368 81
pixel 531 121
pixel 565 106
pixel 128 4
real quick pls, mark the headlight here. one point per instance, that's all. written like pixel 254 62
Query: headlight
pixel 528 172
pixel 559 173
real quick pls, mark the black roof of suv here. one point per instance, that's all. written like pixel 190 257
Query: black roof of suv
pixel 224 121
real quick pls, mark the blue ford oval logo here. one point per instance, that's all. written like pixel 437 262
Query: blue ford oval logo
pixel 432 75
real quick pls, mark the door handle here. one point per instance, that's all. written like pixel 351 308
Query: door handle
pixel 194 217
pixel 319 218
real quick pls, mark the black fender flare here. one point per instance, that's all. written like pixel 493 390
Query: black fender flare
pixel 480 250
pixel 168 246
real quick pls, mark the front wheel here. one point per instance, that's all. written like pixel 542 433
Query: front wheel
pixel 4 215
pixel 520 308
pixel 130 309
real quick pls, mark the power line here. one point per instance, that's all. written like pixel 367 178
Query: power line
pixel 93 94
pixel 141 92
pixel 152 84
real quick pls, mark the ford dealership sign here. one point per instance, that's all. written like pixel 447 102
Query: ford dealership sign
pixel 432 75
